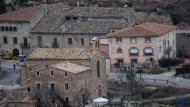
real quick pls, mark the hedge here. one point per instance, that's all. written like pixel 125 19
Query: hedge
pixel 166 62
pixel 184 70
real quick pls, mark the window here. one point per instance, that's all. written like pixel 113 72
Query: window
pixel 55 43
pixel 148 51
pixel 11 29
pixel 6 28
pixel 120 61
pixel 25 41
pixel 67 18
pixel 52 87
pixel 66 74
pixel 39 39
pixel 82 41
pixel 2 28
pixel 119 50
pixel 37 74
pixel 168 43
pixel 133 51
pixel 147 39
pixel 118 40
pixel 52 73
pixel 67 99
pixel 66 86
pixel 75 18
pixel 14 29
pixel 70 41
pixel 98 43
pixel 134 61
pixel 38 86
pixel 112 30
pixel 126 19
pixel 5 41
pixel 133 40
pixel 28 89
pixel 84 19
pixel 14 40
pixel 160 49
pixel 98 68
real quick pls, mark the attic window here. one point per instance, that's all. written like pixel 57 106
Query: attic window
pixel 75 18
pixel 67 18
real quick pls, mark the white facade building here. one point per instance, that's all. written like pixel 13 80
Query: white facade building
pixel 142 43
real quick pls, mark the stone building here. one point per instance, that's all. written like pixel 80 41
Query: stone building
pixel 183 44
pixel 76 75
pixel 15 27
pixel 77 27
pixel 142 43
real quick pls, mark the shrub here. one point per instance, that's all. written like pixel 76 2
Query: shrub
pixel 167 62
pixel 140 71
pixel 12 57
pixel 184 70
pixel 117 65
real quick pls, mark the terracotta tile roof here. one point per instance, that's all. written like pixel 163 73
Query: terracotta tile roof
pixel 104 48
pixel 142 30
pixel 60 53
pixel 71 67
pixel 23 15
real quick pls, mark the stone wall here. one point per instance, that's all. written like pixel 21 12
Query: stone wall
pixel 20 104
pixel 62 40
pixel 86 82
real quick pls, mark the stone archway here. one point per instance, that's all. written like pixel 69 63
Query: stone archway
pixel 15 52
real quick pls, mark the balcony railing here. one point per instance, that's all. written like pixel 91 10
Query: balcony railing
pixel 24 45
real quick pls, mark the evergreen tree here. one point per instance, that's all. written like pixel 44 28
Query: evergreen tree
pixel 22 2
pixel 2 6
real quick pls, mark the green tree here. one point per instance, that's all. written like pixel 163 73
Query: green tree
pixel 21 2
pixel 2 6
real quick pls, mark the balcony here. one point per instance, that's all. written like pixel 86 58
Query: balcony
pixel 25 45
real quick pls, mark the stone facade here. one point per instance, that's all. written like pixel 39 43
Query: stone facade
pixel 90 82
pixel 15 27
pixel 183 44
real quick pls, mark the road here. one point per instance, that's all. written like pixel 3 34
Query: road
pixel 9 80
pixel 166 79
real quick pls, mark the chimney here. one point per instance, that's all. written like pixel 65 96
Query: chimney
pixel 94 44
pixel 78 3
pixel 45 7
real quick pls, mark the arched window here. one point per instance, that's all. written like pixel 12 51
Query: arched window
pixel 119 50
pixel 98 68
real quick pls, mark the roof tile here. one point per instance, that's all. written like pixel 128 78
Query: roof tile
pixel 23 15
pixel 142 30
